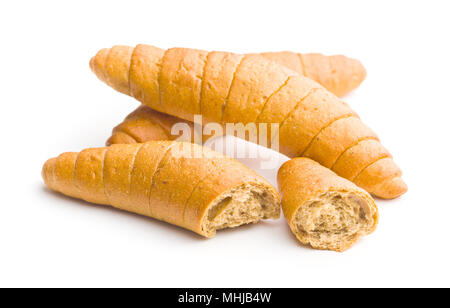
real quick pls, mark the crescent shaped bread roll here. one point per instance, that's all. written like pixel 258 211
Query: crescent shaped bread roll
pixel 337 73
pixel 181 183
pixel 230 88
pixel 324 210
pixel 145 124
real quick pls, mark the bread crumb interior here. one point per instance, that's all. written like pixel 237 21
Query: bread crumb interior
pixel 242 205
pixel 334 220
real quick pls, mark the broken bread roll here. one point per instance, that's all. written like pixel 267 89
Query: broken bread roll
pixel 323 209
pixel 181 183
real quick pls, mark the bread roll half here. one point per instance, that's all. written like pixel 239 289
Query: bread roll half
pixel 323 209
pixel 181 183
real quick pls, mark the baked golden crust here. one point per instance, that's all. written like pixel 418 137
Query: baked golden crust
pixel 313 113
pixel 312 121
pixel 289 59
pixel 301 182
pixel 337 73
pixel 89 178
pixel 145 124
pixel 180 81
pixel 142 125
pixel 245 101
pixel 175 182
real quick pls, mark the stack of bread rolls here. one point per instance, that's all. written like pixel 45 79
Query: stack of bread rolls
pixel 337 161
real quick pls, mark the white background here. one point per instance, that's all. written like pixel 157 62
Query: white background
pixel 52 103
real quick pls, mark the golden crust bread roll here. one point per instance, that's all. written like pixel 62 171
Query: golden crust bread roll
pixel 181 183
pixel 337 73
pixel 323 209
pixel 145 124
pixel 225 87
pixel 359 163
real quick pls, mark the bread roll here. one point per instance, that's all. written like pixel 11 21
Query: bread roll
pixel 181 183
pixel 230 88
pixel 323 209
